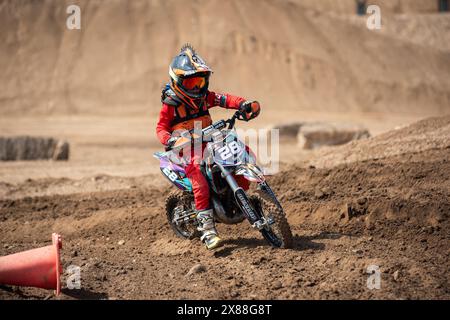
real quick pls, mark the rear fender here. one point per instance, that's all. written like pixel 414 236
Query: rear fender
pixel 173 172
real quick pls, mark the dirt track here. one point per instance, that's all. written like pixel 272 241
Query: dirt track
pixel 383 201
pixel 390 211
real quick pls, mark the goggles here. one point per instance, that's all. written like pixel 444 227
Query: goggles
pixel 194 83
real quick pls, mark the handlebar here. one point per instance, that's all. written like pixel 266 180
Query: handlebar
pixel 221 124
pixel 207 132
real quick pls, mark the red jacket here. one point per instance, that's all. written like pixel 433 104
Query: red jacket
pixel 165 127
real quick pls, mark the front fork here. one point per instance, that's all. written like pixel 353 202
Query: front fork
pixel 254 217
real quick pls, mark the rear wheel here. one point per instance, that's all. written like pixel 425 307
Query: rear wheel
pixel 177 205
pixel 278 234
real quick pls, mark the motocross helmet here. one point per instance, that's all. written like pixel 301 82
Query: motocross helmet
pixel 189 77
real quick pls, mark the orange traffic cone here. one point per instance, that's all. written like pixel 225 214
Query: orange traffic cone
pixel 39 267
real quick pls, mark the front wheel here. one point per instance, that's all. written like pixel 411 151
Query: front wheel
pixel 278 234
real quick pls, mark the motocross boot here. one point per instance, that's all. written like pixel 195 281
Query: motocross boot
pixel 207 227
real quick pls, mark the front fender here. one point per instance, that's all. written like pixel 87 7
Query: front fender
pixel 250 172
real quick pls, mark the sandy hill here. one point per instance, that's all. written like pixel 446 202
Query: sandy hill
pixel 428 134
pixel 298 55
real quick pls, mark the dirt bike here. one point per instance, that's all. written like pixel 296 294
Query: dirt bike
pixel 225 156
